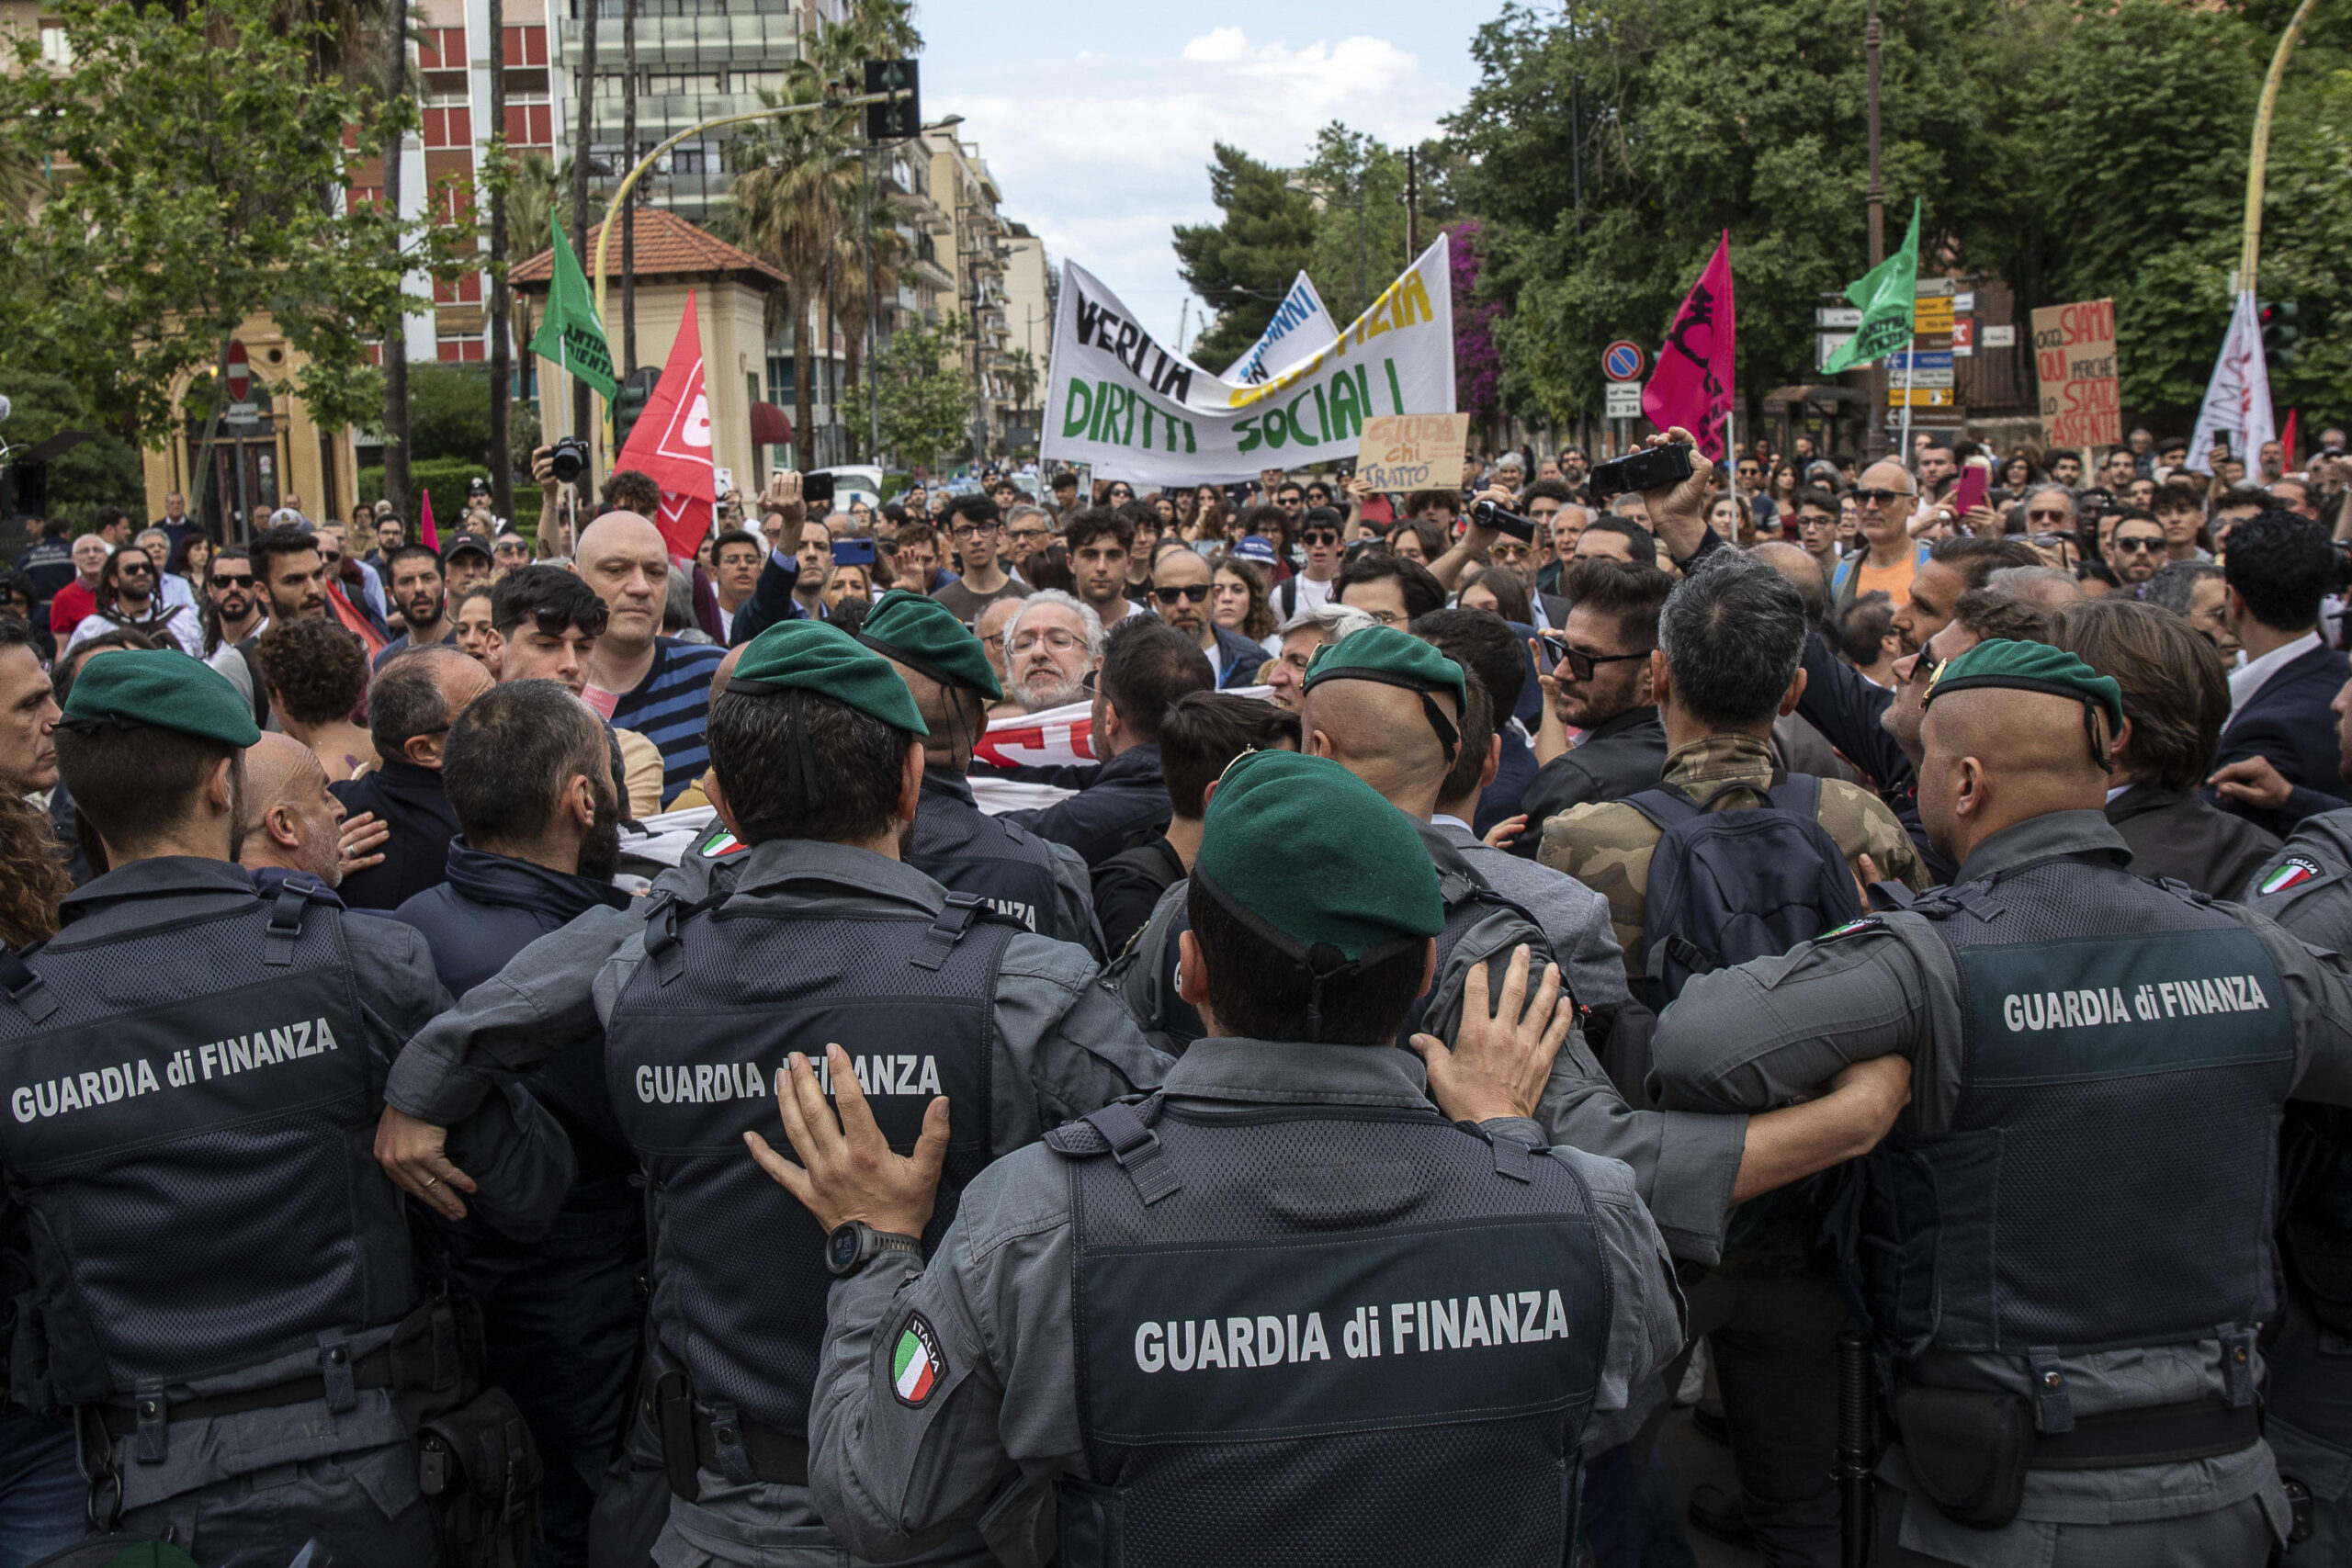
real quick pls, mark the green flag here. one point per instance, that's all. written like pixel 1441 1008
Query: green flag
pixel 1887 294
pixel 571 335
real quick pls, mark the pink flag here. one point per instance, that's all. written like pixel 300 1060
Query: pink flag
pixel 671 441
pixel 426 534
pixel 1692 384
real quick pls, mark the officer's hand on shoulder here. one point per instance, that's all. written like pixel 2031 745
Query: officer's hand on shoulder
pixel 1501 1057
pixel 410 1152
pixel 847 1169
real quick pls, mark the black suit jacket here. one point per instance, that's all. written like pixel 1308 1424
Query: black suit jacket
pixel 409 800
pixel 1619 757
pixel 2178 834
pixel 2288 721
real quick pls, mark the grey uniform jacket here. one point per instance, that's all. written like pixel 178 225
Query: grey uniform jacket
pixel 992 1442
pixel 513 1149
pixel 1754 1037
pixel 1067 1041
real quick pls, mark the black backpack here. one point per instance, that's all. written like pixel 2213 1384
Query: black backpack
pixel 1727 886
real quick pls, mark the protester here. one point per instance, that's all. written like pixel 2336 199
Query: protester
pixel 1887 498
pixel 129 598
pixel 411 707
pixel 737 555
pixel 1321 534
pixel 1297 640
pixel 415 590
pixel 2198 593
pixel 1053 645
pixel 2277 568
pixel 1100 546
pixel 293 825
pixel 976 528
pixel 1147 666
pixel 544 625
pixel 638 679
pixel 1198 741
pixel 1181 586
pixel 1600 686
pixel 470 622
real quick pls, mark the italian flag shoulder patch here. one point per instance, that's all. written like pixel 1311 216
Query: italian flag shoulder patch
pixel 721 843
pixel 916 1367
pixel 2293 872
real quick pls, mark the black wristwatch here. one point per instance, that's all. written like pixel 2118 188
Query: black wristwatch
pixel 854 1246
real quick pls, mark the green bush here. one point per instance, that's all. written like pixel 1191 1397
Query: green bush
pixel 446 481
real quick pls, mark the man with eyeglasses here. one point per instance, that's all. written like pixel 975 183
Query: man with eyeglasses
pixel 1817 529
pixel 1051 646
pixel 1323 536
pixel 977 527
pixel 1180 594
pixel 1887 500
pixel 1027 530
pixel 1600 686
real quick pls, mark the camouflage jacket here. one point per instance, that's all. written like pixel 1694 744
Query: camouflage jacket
pixel 1606 845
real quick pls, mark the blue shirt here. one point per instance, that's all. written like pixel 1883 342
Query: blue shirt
pixel 671 706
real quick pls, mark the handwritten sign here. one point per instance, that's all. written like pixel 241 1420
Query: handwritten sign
pixel 1413 451
pixel 2073 356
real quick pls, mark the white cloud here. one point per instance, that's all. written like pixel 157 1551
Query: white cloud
pixel 1104 154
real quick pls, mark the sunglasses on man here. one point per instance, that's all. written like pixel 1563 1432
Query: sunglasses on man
pixel 246 581
pixel 1192 592
pixel 1319 537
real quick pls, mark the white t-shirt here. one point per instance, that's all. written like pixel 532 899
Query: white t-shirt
pixel 1311 595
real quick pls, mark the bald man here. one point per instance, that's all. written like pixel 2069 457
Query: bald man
pixel 294 824
pixel 639 679
pixel 2065 1246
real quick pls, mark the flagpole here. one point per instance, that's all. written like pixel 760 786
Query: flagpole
pixel 1910 360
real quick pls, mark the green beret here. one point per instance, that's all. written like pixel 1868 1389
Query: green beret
pixel 816 656
pixel 1308 856
pixel 159 689
pixel 2029 667
pixel 924 635
pixel 1396 659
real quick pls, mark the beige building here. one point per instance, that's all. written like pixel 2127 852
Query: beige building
pixel 973 251
pixel 267 453
pixel 730 289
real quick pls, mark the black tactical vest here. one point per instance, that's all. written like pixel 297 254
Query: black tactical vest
pixel 2107 1180
pixel 692 1051
pixel 199 1173
pixel 1326 1335
pixel 2315 1209
pixel 964 849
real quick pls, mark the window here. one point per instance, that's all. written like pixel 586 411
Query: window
pixel 56 49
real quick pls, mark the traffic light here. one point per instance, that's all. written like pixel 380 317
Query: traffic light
pixel 635 393
pixel 2282 334
pixel 900 117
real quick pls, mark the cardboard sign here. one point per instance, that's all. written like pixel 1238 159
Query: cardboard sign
pixel 2073 357
pixel 1413 451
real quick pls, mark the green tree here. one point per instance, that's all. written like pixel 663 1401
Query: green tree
pixel 1242 266
pixel 448 414
pixel 924 392
pixel 103 470
pixel 1359 189
pixel 210 150
pixel 2306 213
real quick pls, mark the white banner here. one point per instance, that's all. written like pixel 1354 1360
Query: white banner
pixel 2237 399
pixel 1301 326
pixel 1137 411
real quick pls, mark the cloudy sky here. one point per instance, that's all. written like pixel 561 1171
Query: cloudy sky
pixel 1097 118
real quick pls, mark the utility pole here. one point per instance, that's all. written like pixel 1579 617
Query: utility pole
pixel 1575 145
pixel 395 352
pixel 1413 204
pixel 1875 420
pixel 583 420
pixel 872 328
pixel 502 353
pixel 628 214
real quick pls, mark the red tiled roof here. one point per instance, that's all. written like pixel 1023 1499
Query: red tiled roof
pixel 667 246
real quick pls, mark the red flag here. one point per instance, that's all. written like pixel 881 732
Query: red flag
pixel 672 443
pixel 2288 442
pixel 1692 384
pixel 427 535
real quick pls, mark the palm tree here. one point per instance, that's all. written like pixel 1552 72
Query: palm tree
pixel 529 205
pixel 1021 376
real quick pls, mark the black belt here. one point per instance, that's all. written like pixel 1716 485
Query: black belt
pixel 777 1457
pixel 2161 1434
pixel 373 1370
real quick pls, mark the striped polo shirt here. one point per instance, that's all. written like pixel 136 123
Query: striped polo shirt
pixel 671 706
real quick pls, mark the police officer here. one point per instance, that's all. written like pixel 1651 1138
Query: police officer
pixel 2064 1247
pixel 817 932
pixel 224 1281
pixel 2307 1405
pixel 1284 1311
pixel 1041 883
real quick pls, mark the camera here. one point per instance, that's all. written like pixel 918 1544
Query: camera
pixel 1486 514
pixel 1653 467
pixel 569 459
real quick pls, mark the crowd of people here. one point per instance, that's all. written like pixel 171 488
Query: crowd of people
pixel 1799 894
